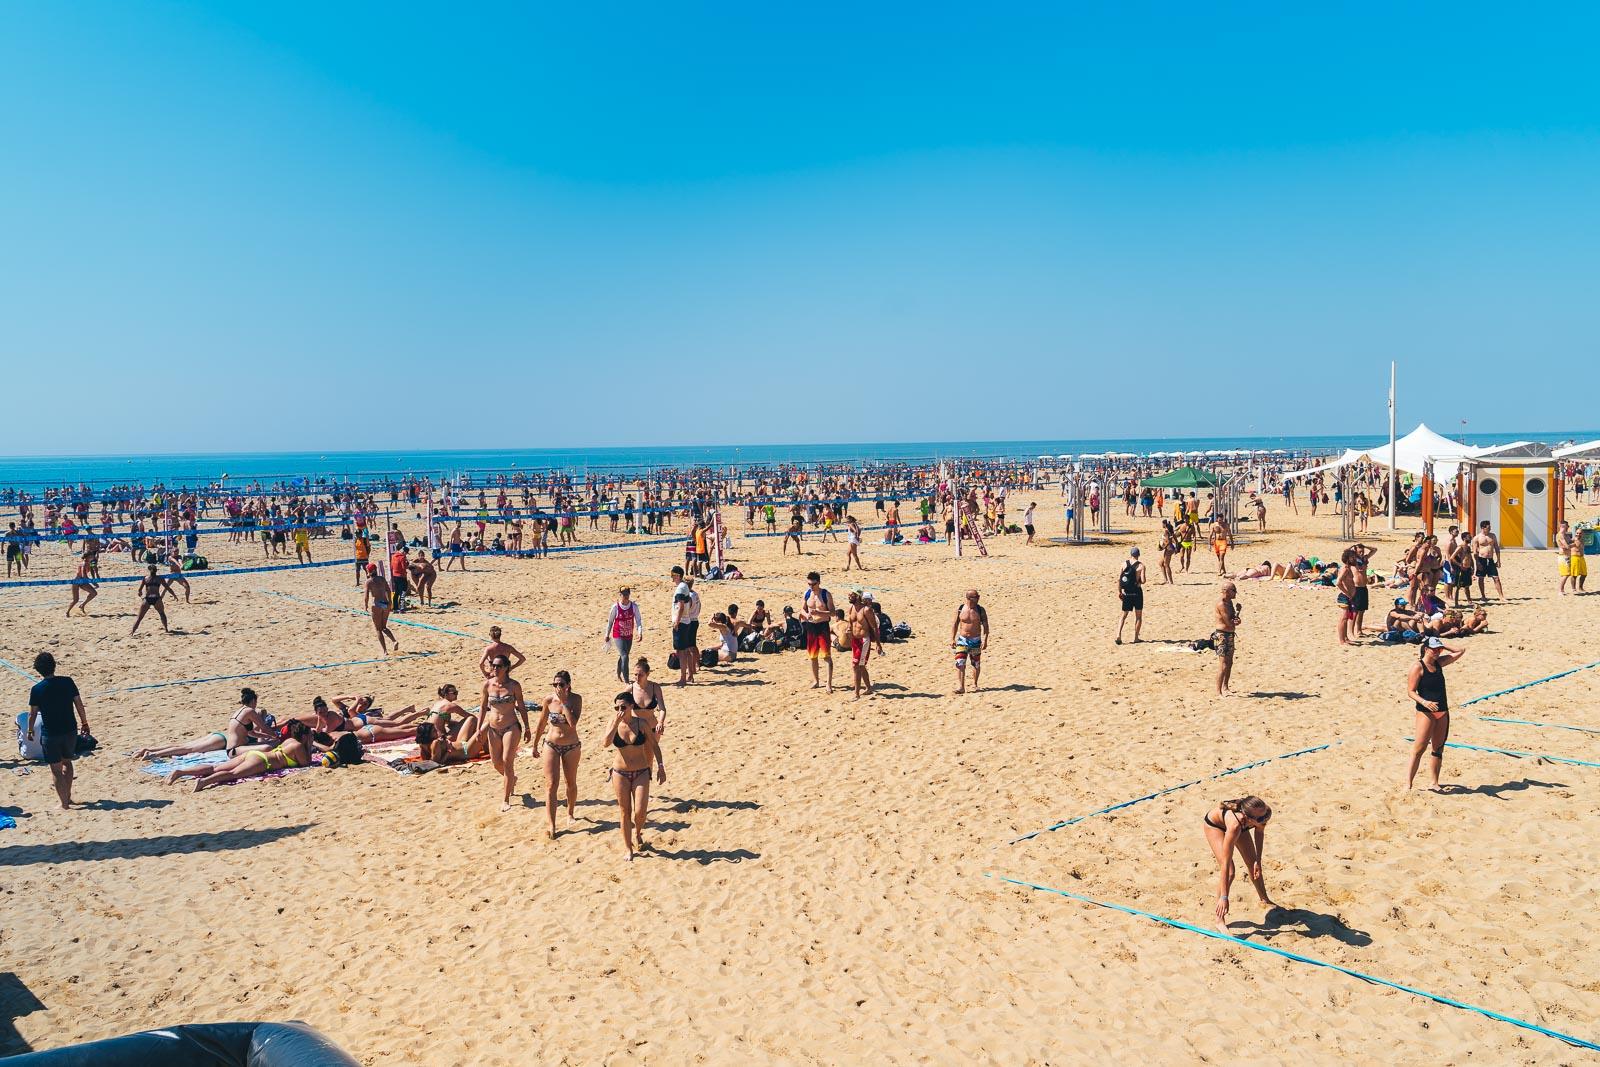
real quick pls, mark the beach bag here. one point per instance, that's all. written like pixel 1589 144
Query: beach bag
pixel 768 646
pixel 86 744
pixel 672 661
pixel 708 657
pixel 346 752
pixel 196 563
pixel 31 746
pixel 902 631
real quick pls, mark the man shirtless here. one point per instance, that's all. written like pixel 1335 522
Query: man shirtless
pixel 793 534
pixel 1228 613
pixel 816 615
pixel 1461 571
pixel 1221 541
pixel 1573 566
pixel 1486 560
pixel 969 636
pixel 861 621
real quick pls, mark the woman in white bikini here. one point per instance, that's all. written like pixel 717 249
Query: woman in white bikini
pixel 563 748
pixel 505 720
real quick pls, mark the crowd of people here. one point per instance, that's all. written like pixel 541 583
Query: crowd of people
pixel 394 575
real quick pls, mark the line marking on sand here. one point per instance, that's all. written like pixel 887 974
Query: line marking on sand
pixel 421 625
pixel 365 614
pixel 1374 980
pixel 18 671
pixel 1515 752
pixel 1172 789
pixel 1536 681
pixel 174 575
pixel 525 622
pixel 261 674
pixel 1551 725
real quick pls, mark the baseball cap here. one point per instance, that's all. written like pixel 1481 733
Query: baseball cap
pixel 1434 642
pixel 1133 552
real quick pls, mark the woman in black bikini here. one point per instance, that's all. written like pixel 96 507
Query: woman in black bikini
pixel 563 748
pixel 634 735
pixel 1238 825
pixel 151 587
pixel 648 695
pixel 249 727
pixel 505 719
pixel 1425 687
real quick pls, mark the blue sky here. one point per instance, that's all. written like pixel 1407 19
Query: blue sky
pixel 274 226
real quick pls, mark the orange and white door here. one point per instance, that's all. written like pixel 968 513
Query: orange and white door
pixel 1519 502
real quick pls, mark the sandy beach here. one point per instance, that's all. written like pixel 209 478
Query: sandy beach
pixel 822 887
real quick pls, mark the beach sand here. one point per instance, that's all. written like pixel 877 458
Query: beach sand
pixel 818 889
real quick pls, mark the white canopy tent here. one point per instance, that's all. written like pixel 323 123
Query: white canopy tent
pixel 1416 448
pixel 1585 451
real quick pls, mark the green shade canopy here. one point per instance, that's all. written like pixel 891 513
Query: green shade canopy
pixel 1183 478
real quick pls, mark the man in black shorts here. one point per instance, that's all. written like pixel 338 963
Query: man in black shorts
pixel 55 699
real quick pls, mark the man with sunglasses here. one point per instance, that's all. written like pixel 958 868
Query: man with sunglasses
pixel 816 609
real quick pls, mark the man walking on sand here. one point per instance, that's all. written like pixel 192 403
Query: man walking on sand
pixel 1130 586
pixel 969 637
pixel 1573 566
pixel 55 698
pixel 862 620
pixel 1228 613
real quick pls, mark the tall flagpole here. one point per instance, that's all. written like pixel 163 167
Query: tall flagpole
pixel 1394 475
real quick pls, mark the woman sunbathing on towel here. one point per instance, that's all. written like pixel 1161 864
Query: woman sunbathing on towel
pixel 293 751
pixel 1261 570
pixel 248 727
pixel 472 743
pixel 357 709
pixel 368 728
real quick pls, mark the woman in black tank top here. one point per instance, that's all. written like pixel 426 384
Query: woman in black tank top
pixel 1425 686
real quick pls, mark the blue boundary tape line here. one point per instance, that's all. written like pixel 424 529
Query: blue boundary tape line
pixel 528 553
pixel 1550 725
pixel 525 622
pixel 367 615
pixel 1536 681
pixel 18 671
pixel 34 582
pixel 1172 789
pixel 262 674
pixel 1273 950
pixel 1515 752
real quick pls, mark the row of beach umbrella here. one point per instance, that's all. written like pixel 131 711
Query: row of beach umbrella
pixel 1214 453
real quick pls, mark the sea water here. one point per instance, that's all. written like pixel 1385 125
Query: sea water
pixel 244 467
